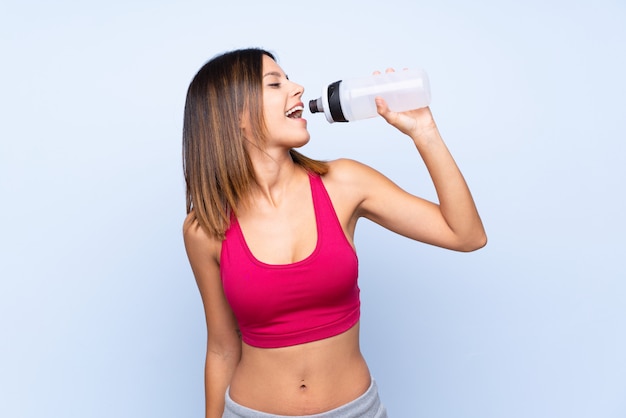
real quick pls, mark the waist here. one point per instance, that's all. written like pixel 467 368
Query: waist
pixel 368 405
pixel 301 380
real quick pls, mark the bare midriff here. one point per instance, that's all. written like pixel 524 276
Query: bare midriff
pixel 305 379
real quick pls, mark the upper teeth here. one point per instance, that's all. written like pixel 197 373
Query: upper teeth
pixel 293 110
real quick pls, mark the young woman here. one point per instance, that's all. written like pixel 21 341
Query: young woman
pixel 269 236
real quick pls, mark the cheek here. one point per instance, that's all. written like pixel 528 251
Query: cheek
pixel 273 117
pixel 273 106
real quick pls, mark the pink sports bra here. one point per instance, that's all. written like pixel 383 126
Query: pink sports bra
pixel 279 305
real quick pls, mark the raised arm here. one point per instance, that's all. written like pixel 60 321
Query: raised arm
pixel 223 342
pixel 454 222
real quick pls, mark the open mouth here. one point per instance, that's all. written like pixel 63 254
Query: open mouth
pixel 295 112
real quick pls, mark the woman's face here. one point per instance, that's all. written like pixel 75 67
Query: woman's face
pixel 282 108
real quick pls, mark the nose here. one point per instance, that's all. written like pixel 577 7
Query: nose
pixel 298 90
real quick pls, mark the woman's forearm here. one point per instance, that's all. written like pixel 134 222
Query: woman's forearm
pixel 218 372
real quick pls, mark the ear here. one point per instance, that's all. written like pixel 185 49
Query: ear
pixel 244 119
pixel 244 123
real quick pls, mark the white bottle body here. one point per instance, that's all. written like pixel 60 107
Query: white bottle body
pixel 354 99
pixel 402 90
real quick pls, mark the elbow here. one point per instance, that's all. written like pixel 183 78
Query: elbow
pixel 473 243
pixel 479 243
pixel 224 347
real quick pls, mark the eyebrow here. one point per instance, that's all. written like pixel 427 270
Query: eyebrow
pixel 274 73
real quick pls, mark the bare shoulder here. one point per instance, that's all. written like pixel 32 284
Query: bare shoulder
pixel 352 176
pixel 197 242
pixel 347 168
pixel 349 173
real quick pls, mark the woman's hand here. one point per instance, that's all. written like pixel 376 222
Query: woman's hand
pixel 415 123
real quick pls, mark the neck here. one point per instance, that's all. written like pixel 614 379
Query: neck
pixel 274 173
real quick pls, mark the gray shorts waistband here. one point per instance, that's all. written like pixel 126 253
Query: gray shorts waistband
pixel 367 405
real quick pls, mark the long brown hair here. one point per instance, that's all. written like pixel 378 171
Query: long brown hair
pixel 218 170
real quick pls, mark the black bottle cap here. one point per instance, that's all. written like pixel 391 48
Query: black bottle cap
pixel 313 107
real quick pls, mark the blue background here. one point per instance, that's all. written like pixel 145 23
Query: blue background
pixel 99 311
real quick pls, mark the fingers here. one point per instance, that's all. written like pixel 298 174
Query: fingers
pixel 388 70
pixel 382 108
pixel 381 105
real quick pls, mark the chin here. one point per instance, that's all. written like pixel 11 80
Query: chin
pixel 300 142
pixel 303 143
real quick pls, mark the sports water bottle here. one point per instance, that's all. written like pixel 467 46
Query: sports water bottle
pixel 353 99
